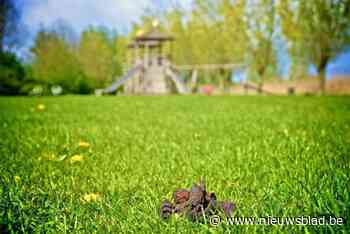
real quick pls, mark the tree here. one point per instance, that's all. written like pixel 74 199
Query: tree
pixel 55 63
pixel 9 16
pixel 177 29
pixel 234 31
pixel 316 30
pixel 95 55
pixel 12 74
pixel 261 30
pixel 120 55
pixel 200 32
pixel 232 43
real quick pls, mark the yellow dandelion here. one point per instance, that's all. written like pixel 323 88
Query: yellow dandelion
pixel 41 107
pixel 91 197
pixel 51 157
pixel 84 144
pixel 17 179
pixel 76 158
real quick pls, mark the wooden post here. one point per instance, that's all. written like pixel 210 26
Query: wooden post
pixel 136 53
pixel 164 56
pixel 150 54
pixel 160 54
pixel 222 80
pixel 222 85
pixel 146 55
pixel 194 81
pixel 130 58
pixel 171 50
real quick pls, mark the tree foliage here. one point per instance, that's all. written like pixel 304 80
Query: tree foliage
pixel 92 62
pixel 9 24
pixel 55 63
pixel 96 57
pixel 12 74
pixel 261 23
pixel 316 31
pixel 211 32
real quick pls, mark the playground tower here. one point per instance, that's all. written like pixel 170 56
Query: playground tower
pixel 151 71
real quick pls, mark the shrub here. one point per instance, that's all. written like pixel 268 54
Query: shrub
pixel 12 74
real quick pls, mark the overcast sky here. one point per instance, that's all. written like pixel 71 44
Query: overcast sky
pixel 113 14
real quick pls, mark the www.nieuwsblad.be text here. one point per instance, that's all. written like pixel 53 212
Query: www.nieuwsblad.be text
pixel 216 220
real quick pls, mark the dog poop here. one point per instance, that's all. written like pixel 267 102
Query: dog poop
pixel 195 204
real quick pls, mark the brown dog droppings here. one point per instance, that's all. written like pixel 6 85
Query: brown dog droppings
pixel 166 210
pixel 195 204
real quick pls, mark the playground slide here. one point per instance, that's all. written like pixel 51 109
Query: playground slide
pixel 180 85
pixel 131 73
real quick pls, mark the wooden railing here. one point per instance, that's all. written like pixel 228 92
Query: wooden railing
pixel 207 66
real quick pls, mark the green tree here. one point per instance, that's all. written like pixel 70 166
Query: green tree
pixel 231 45
pixel 12 74
pixel 200 32
pixel 261 19
pixel 120 55
pixel 55 62
pixel 234 31
pixel 177 29
pixel 316 31
pixel 8 20
pixel 96 56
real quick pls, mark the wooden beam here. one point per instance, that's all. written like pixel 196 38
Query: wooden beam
pixel 248 85
pixel 207 66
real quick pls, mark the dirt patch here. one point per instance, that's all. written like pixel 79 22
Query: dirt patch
pixel 338 85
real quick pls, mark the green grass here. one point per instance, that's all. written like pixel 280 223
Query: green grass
pixel 273 156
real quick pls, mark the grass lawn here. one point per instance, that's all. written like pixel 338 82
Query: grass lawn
pixel 273 156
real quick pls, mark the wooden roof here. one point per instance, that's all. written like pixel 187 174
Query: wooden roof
pixel 142 44
pixel 154 35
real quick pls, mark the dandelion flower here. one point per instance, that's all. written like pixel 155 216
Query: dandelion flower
pixel 41 107
pixel 84 144
pixel 76 158
pixel 91 197
pixel 51 157
pixel 17 179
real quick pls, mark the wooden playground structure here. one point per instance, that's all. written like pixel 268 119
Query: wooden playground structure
pixel 152 72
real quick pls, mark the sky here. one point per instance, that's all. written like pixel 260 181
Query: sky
pixel 118 15
pixel 114 14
